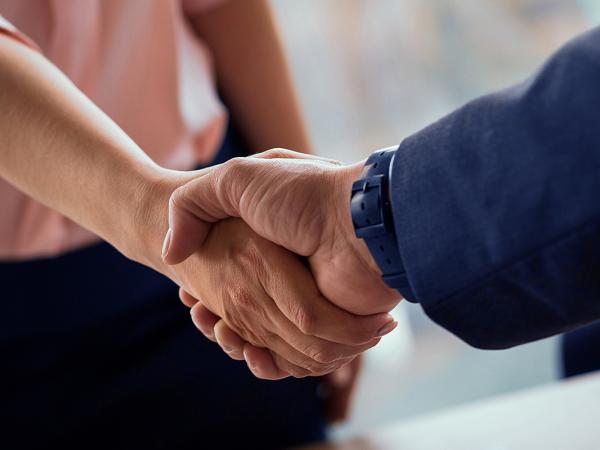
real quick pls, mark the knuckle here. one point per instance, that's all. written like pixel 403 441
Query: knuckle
pixel 321 370
pixel 308 365
pixel 232 178
pixel 324 357
pixel 309 362
pixel 305 320
pixel 275 153
pixel 235 166
pixel 177 197
pixel 321 354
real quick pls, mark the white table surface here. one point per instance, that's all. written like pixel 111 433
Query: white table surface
pixel 559 416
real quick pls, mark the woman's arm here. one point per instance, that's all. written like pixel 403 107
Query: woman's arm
pixel 58 147
pixel 62 150
pixel 253 74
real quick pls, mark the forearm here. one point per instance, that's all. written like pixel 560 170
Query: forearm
pixel 253 74
pixel 59 148
pixel 496 206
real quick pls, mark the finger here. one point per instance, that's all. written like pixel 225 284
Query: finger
pixel 327 321
pixel 204 320
pixel 311 351
pixel 309 366
pixel 307 351
pixel 229 341
pixel 314 355
pixel 261 364
pixel 282 335
pixel 302 304
pixel 187 299
pixel 268 365
pixel 290 154
pixel 288 367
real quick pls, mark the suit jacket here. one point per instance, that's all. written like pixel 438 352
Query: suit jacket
pixel 497 206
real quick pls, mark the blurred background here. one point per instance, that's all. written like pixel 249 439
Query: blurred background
pixel 371 72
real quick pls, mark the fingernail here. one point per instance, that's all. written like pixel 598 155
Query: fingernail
pixel 166 243
pixel 387 328
pixel 227 349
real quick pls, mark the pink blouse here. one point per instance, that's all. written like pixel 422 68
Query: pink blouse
pixel 140 62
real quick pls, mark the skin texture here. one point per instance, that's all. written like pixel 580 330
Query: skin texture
pixel 255 310
pixel 308 213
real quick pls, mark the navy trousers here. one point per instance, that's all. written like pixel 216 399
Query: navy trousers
pixel 581 350
pixel 98 352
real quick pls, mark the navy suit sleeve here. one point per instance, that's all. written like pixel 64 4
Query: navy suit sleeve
pixel 497 206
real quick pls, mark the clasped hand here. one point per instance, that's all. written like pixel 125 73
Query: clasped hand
pixel 282 282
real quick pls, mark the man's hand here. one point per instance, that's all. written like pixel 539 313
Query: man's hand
pixel 297 201
pixel 268 298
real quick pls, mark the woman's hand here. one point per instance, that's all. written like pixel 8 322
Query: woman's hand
pixel 267 297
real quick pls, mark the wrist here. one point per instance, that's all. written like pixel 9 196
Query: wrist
pixel 373 218
pixel 149 221
pixel 347 175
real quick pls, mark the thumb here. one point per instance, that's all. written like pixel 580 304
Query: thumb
pixel 193 208
pixel 282 153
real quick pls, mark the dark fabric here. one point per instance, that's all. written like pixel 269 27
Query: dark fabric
pixel 496 206
pixel 98 352
pixel 580 350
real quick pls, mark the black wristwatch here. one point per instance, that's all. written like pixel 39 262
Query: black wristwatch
pixel 373 220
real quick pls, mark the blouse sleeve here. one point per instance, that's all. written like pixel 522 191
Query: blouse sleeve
pixel 9 29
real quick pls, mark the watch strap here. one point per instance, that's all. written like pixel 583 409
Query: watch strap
pixel 373 219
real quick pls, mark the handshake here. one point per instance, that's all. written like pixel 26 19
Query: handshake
pixel 265 253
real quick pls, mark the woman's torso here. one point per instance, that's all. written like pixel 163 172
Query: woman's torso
pixel 140 62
